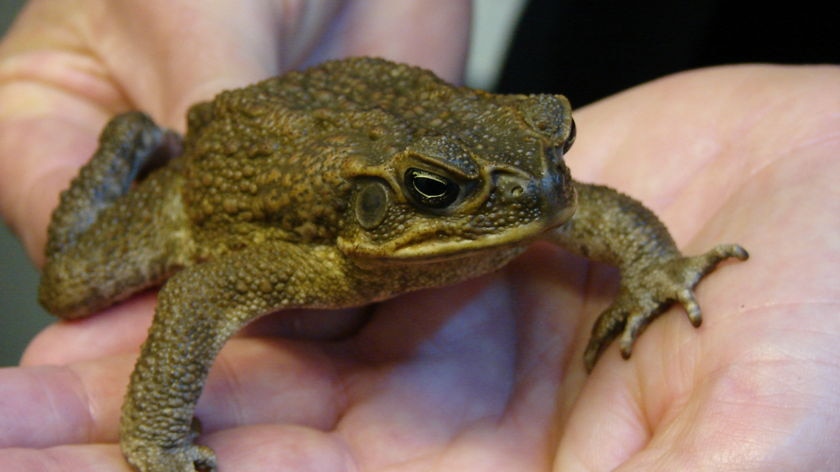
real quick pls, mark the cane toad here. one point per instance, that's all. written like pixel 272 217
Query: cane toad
pixel 340 185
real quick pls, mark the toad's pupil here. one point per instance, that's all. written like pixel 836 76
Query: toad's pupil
pixel 430 186
pixel 431 190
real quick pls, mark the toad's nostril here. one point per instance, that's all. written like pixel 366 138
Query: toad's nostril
pixel 511 186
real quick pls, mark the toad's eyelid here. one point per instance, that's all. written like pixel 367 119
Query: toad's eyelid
pixel 454 168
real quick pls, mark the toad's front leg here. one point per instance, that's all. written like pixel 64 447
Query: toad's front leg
pixel 198 310
pixel 614 228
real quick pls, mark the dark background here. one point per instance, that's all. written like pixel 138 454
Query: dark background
pixel 588 49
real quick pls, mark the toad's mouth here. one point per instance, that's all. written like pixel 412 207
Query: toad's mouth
pixel 434 245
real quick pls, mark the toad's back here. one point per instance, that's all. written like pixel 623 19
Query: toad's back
pixel 270 160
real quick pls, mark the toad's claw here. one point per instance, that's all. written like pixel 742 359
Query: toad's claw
pixel 647 292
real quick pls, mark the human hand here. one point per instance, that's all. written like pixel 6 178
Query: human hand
pixel 737 154
pixel 487 375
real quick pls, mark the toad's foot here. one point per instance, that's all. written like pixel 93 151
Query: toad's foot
pixel 185 458
pixel 146 456
pixel 647 292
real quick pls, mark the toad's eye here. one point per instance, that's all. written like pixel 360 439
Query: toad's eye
pixel 430 189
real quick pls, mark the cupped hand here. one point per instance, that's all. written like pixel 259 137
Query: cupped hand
pixel 486 375
pixel 743 154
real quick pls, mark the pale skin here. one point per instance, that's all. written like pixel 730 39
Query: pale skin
pixel 486 375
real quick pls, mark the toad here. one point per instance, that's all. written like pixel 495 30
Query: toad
pixel 347 183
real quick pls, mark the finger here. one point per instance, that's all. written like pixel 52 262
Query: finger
pixel 741 417
pixel 98 457
pixel 48 406
pixel 118 330
pixel 242 449
pixel 252 381
pixel 432 34
pixel 167 56
pixel 605 426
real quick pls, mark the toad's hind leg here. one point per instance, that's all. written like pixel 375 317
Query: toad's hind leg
pixel 106 242
pixel 130 145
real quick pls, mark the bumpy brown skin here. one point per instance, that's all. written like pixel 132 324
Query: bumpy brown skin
pixel 344 184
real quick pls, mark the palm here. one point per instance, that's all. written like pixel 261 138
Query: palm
pixel 488 375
